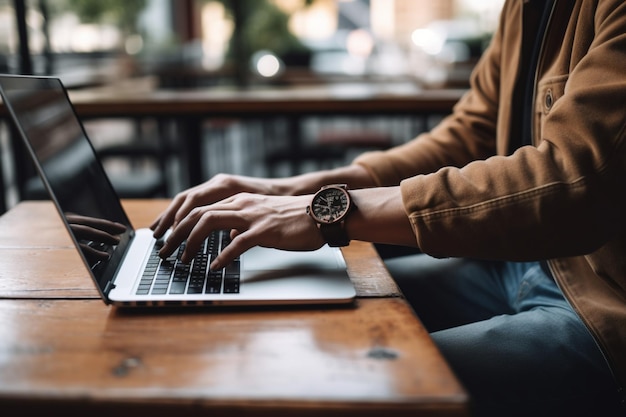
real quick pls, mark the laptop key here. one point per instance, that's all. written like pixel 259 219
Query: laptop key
pixel 214 282
pixel 231 285
pixel 178 287
pixel 194 289
pixel 198 274
pixel 231 277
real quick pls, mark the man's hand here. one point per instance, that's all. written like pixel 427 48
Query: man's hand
pixel 254 220
pixel 216 189
pixel 224 185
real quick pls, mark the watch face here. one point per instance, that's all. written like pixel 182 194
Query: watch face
pixel 330 205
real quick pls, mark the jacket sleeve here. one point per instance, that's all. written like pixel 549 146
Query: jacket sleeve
pixel 563 197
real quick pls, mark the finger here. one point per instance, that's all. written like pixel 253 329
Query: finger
pixel 183 204
pixel 195 239
pixel 165 220
pixel 155 224
pixel 209 221
pixel 176 237
pixel 240 243
pixel 180 208
pixel 186 208
pixel 159 227
pixel 183 212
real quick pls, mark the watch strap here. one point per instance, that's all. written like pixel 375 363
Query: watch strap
pixel 334 234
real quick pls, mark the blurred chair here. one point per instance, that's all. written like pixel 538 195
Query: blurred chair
pixel 139 180
pixel 137 157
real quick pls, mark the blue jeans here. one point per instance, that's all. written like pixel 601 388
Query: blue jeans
pixel 510 337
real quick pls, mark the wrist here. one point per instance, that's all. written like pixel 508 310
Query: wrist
pixel 355 176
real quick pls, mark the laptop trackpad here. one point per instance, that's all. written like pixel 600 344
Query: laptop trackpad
pixel 286 275
pixel 264 259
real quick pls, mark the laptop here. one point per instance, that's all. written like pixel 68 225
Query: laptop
pixel 123 261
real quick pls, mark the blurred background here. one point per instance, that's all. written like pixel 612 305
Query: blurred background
pixel 404 46
pixel 211 42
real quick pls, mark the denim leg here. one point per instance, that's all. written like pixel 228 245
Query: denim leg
pixel 450 292
pixel 510 336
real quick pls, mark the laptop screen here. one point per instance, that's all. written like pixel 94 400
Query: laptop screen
pixel 70 170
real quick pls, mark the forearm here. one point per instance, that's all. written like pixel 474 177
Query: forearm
pixel 355 176
pixel 380 217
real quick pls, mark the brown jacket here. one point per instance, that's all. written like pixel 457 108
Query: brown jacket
pixel 562 199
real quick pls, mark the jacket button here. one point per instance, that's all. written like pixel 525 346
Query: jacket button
pixel 549 100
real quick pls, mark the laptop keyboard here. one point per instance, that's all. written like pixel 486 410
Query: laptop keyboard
pixel 171 276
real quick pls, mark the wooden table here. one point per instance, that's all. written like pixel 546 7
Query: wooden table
pixel 137 97
pixel 64 352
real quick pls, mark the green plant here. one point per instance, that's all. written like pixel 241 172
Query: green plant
pixel 121 12
pixel 261 25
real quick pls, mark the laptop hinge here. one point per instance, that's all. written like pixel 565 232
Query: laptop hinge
pixel 108 287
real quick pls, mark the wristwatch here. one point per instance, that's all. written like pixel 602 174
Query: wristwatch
pixel 329 208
